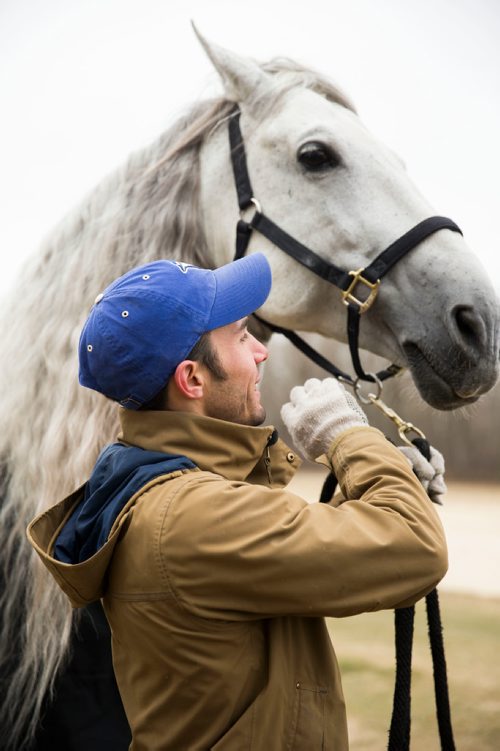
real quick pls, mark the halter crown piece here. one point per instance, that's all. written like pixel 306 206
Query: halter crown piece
pixel 359 287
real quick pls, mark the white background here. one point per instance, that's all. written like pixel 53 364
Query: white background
pixel 85 82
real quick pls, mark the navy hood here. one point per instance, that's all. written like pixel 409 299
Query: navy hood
pixel 120 471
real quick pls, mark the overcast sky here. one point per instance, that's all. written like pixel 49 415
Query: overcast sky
pixel 85 82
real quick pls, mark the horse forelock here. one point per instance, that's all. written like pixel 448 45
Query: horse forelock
pixel 290 75
pixel 52 430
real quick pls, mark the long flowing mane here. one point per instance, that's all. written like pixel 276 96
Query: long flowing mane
pixel 52 430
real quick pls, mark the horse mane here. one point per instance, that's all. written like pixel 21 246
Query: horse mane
pixel 52 430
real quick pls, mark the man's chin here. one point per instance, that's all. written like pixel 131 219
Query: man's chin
pixel 259 414
pixel 257 417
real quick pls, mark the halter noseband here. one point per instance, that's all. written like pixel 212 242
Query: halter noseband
pixel 350 283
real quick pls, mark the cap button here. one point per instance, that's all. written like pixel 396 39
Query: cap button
pixel 290 457
pixel 98 298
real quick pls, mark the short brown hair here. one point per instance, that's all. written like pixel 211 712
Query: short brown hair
pixel 202 352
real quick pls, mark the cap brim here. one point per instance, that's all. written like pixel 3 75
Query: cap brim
pixel 242 287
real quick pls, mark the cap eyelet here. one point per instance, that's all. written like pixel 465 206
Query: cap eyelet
pixel 145 277
pixel 89 348
pixel 124 313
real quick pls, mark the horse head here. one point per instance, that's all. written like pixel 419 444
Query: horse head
pixel 326 180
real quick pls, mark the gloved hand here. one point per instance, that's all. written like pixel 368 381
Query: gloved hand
pixel 317 413
pixel 430 474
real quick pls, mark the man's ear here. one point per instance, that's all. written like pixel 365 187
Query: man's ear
pixel 189 379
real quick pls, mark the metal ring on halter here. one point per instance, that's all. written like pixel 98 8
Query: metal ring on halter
pixel 367 399
pixel 257 206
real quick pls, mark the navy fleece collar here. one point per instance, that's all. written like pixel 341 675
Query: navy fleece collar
pixel 120 471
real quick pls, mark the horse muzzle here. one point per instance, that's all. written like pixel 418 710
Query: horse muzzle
pixel 453 369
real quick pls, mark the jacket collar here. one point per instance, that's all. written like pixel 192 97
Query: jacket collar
pixel 237 452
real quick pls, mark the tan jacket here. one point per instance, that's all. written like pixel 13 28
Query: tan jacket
pixel 215 582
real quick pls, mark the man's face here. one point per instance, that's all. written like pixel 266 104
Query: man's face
pixel 236 398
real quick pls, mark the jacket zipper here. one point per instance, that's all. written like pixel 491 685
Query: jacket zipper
pixel 267 462
pixel 267 454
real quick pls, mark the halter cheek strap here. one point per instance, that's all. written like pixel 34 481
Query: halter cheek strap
pixel 359 288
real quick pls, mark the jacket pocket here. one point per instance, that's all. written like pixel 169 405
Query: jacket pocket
pixel 308 720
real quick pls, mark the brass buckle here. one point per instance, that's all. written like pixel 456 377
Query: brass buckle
pixel 348 297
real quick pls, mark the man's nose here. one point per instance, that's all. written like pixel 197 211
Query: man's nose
pixel 261 352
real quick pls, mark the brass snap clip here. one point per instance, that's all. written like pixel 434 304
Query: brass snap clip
pixel 404 427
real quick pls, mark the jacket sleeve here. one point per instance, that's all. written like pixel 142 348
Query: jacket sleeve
pixel 257 552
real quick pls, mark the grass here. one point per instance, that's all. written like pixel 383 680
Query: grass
pixel 364 647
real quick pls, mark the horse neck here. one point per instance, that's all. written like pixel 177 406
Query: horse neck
pixel 148 209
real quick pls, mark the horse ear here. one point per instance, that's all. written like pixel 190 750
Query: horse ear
pixel 241 76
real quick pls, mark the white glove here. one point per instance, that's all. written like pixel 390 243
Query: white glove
pixel 430 474
pixel 317 413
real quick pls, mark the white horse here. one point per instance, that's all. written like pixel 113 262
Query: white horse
pixel 319 174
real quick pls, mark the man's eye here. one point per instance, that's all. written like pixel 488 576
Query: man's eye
pixel 244 337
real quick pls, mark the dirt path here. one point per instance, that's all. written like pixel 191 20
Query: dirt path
pixel 471 518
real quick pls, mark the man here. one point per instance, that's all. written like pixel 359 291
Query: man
pixel 214 578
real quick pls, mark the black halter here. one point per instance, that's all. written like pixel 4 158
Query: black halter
pixel 359 288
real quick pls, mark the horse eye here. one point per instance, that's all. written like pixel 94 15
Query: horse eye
pixel 317 157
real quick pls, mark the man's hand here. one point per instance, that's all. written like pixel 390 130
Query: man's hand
pixel 317 413
pixel 430 474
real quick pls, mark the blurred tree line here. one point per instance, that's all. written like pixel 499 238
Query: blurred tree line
pixel 468 437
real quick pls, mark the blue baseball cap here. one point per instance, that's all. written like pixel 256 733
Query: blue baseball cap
pixel 147 321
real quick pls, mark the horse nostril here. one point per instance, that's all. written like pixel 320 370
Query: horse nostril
pixel 470 326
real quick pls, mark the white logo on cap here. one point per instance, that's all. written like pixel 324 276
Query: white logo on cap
pixel 183 266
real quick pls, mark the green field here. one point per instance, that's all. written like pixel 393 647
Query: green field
pixel 364 647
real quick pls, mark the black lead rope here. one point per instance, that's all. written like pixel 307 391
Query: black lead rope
pixel 368 280
pixel 400 727
pixel 399 731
